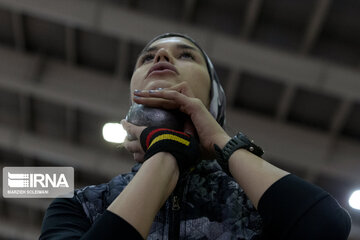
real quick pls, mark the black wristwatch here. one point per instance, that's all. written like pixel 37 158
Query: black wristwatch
pixel 239 141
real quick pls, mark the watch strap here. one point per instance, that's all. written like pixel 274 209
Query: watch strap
pixel 239 141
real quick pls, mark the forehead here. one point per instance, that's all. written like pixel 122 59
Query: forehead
pixel 172 41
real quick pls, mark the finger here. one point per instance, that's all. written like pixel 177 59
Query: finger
pixel 156 102
pixel 129 130
pixel 132 129
pixel 180 94
pixel 139 157
pixel 142 93
pixel 180 88
pixel 167 94
pixel 133 146
pixel 184 89
pixel 185 104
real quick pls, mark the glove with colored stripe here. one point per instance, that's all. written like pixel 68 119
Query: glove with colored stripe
pixel 184 147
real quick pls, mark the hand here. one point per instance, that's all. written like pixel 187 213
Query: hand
pixel 180 97
pixel 133 145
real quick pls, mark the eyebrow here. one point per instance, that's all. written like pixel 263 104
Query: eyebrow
pixel 178 46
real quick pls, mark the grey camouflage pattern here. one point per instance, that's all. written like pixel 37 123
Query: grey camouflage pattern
pixel 213 205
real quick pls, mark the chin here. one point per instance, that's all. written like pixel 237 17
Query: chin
pixel 162 83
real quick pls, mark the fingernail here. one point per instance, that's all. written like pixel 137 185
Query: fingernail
pixel 137 91
pixel 159 88
pixel 151 91
pixel 137 97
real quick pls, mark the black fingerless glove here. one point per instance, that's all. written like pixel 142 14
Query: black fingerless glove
pixel 184 147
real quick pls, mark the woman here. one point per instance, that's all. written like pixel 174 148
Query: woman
pixel 170 193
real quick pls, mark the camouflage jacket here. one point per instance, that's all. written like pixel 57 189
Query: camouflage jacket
pixel 206 204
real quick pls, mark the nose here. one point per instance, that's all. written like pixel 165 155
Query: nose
pixel 162 55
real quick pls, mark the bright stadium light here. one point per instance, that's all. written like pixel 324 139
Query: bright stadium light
pixel 114 132
pixel 354 200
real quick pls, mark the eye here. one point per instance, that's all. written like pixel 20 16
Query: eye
pixel 147 57
pixel 187 55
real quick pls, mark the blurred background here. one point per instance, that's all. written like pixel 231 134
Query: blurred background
pixel 290 69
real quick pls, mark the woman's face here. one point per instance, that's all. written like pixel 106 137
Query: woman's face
pixel 170 61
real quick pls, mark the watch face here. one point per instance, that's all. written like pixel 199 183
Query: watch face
pixel 249 144
pixel 243 137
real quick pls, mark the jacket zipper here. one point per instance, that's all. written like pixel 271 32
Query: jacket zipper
pixel 174 221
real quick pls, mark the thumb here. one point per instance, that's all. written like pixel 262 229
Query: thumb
pixel 183 88
pixel 132 130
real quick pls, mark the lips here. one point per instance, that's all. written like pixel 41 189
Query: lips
pixel 162 66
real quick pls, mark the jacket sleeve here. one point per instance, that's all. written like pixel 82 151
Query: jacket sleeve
pixel 65 219
pixel 295 209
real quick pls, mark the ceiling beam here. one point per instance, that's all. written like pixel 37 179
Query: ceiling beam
pixel 252 12
pixel 132 4
pixel 38 67
pixel 70 45
pixel 340 117
pixel 315 24
pixel 311 34
pixel 71 124
pixel 123 58
pixel 18 31
pixel 285 102
pixel 251 16
pixel 26 112
pixel 338 122
pixel 189 10
pixel 63 84
pixel 228 51
pixel 58 152
pixel 231 86
pixel 284 67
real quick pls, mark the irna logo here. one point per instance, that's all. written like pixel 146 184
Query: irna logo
pixel 25 180
pixel 38 182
